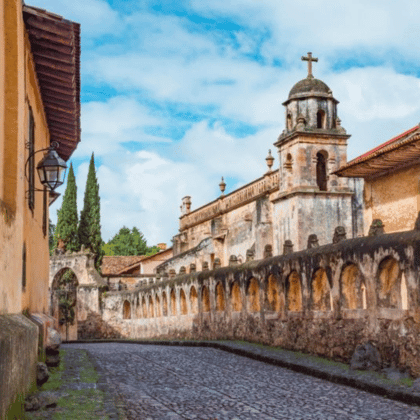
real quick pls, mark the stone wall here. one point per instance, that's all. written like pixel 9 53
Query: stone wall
pixel 323 301
pixel 18 357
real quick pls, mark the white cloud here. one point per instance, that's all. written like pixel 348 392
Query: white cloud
pixel 165 60
pixel 95 16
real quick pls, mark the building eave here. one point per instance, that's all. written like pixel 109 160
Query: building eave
pixel 55 47
pixel 399 152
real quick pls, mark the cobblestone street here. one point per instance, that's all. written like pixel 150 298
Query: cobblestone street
pixel 165 382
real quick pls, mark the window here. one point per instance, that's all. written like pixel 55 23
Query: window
pixel 31 162
pixel 321 171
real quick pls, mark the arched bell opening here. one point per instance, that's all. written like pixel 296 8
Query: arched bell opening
pixel 321 170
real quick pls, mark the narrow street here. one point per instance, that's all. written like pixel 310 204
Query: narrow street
pixel 162 382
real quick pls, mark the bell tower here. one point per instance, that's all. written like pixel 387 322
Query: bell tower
pixel 311 199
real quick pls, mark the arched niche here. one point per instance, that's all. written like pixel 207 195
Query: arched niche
pixel 183 302
pixel 389 284
pixel 321 292
pixel 138 308
pixel 273 294
pixel 173 302
pixel 151 307
pixel 253 295
pixel 220 297
pixel 353 288
pixel 144 307
pixel 235 296
pixel 293 292
pixel 164 304
pixel 205 299
pixel 158 309
pixel 194 300
pixel 126 310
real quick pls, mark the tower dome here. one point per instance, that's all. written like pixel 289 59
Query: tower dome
pixel 311 104
pixel 309 86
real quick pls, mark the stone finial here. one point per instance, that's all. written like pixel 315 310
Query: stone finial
pixel 270 160
pixel 268 251
pixel 186 205
pixel 250 255
pixel 313 241
pixel 222 186
pixel 172 273
pixel 182 270
pixel 82 249
pixel 216 263
pixel 287 247
pixel 205 266
pixel 339 234
pixel 193 268
pixel 376 228
pixel 338 126
pixel 233 260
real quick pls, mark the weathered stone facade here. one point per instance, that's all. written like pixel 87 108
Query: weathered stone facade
pixel 325 300
pixel 302 197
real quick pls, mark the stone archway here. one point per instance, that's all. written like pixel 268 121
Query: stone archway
pixel 90 284
pixel 63 302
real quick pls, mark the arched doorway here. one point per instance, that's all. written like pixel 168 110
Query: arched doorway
pixel 63 303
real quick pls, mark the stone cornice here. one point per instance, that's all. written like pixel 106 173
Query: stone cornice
pixel 244 195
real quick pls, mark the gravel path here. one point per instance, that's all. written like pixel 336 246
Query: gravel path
pixel 165 382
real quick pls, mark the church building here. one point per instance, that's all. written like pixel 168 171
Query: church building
pixel 300 204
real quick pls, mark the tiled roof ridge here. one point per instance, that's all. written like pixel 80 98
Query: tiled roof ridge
pixel 383 145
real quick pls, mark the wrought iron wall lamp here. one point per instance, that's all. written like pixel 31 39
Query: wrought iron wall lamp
pixel 51 169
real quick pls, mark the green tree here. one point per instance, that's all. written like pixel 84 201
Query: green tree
pixel 66 230
pixel 90 218
pixel 51 234
pixel 126 242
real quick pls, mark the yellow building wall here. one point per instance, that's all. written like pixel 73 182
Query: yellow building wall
pixel 18 89
pixel 393 198
pixel 35 295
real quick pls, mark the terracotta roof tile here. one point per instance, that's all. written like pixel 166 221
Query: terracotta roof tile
pixel 116 264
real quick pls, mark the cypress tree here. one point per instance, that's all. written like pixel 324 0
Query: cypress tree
pixel 66 235
pixel 90 217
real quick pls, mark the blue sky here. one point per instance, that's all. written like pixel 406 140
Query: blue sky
pixel 177 94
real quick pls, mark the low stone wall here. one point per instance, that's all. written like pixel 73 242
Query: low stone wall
pixel 324 301
pixel 18 358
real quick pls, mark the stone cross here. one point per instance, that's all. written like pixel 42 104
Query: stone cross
pixel 309 59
